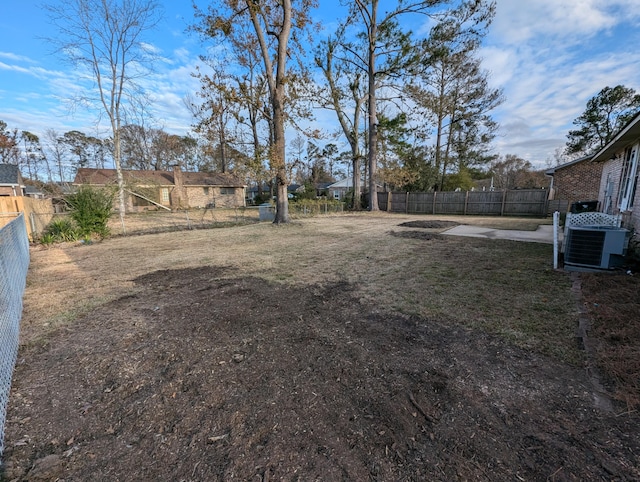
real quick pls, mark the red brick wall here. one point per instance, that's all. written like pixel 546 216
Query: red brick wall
pixel 578 182
pixel 10 191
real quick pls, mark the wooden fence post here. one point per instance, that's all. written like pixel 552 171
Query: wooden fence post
pixel 433 209
pixel 466 200
pixel 504 198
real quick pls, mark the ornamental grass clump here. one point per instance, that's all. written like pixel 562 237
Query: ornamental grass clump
pixel 60 230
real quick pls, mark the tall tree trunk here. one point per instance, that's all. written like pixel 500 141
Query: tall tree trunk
pixel 118 163
pixel 373 121
pixel 278 159
pixel 276 80
pixel 439 129
pixel 354 141
pixel 223 150
pixel 356 202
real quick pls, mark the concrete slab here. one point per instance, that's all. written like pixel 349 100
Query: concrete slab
pixel 544 233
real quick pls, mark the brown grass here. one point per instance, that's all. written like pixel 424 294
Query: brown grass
pixel 504 287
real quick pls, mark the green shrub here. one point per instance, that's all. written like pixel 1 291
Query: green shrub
pixel 47 239
pixel 62 229
pixel 315 206
pixel 91 209
pixel 261 198
pixel 309 192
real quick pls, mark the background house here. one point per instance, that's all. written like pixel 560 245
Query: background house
pixel 338 190
pixel 618 192
pixel 578 180
pixel 15 198
pixel 169 189
pixel 11 183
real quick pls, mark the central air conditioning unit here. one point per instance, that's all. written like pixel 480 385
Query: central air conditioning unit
pixel 594 247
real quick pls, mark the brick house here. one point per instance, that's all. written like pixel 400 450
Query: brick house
pixel 578 180
pixel 174 189
pixel 618 191
pixel 11 183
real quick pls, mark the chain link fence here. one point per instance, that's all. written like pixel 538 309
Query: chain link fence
pixel 14 262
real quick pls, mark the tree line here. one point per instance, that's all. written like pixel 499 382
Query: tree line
pixel 56 157
pixel 413 105
pixel 414 108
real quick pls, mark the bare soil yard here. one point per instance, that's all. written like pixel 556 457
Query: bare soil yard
pixel 342 348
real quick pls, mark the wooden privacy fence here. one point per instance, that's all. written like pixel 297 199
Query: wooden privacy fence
pixel 37 212
pixel 517 202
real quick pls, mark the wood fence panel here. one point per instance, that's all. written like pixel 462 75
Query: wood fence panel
pixel 37 212
pixel 420 203
pixel 526 202
pixel 383 198
pixel 398 202
pixel 10 206
pixel 517 202
pixel 485 203
pixel 450 202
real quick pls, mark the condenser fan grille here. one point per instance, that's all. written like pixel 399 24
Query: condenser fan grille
pixel 585 247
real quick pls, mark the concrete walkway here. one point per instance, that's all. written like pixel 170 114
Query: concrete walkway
pixel 544 233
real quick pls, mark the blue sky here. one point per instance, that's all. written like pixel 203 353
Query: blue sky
pixel 549 56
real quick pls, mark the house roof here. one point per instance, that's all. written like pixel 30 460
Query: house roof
pixel 9 174
pixel 344 183
pixel 551 172
pixel 159 178
pixel 347 183
pixel 627 135
pixel 102 177
pixel 32 190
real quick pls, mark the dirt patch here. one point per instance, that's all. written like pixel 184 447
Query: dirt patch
pixel 612 301
pixel 204 375
pixel 415 234
pixel 429 224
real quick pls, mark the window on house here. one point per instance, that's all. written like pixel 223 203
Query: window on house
pixel 227 190
pixel 629 178
pixel 165 195
pixel 205 190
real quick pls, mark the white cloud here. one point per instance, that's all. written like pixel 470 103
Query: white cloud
pixel 37 72
pixel 150 48
pixel 551 56
pixel 519 21
pixel 15 57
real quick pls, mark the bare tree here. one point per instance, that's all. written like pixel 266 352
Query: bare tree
pixel 219 108
pixel 274 23
pixel 343 94
pixel 9 151
pixel 105 38
pixel 32 155
pixel 56 151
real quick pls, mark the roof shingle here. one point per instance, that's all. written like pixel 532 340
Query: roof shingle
pixel 160 178
pixel 9 174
